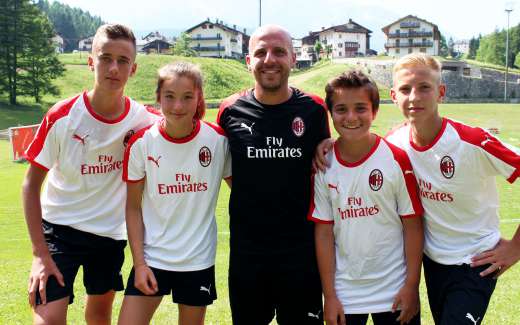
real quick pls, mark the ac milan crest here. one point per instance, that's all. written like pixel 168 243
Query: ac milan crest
pixel 127 137
pixel 204 156
pixel 375 180
pixel 447 167
pixel 298 126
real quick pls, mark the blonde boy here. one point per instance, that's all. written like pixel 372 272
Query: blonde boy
pixel 455 166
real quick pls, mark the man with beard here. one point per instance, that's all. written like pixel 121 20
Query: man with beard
pixel 273 130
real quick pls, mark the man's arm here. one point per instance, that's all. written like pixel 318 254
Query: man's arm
pixel 43 265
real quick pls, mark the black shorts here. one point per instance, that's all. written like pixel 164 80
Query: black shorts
pixel 101 258
pixel 256 296
pixel 457 293
pixel 192 288
pixel 386 318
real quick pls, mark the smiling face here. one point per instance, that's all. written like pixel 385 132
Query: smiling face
pixel 352 113
pixel 417 91
pixel 179 100
pixel 112 61
pixel 271 58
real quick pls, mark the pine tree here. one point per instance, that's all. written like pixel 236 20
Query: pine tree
pixel 22 32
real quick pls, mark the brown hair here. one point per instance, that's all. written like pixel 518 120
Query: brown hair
pixel 114 32
pixel 353 79
pixel 183 69
pixel 418 60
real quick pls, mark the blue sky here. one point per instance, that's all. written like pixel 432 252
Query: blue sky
pixel 459 19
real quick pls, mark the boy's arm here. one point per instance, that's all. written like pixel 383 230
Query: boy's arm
pixel 408 296
pixel 505 254
pixel 144 278
pixel 325 252
pixel 43 265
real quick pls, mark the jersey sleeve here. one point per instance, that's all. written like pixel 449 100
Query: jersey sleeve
pixel 43 150
pixel 407 192
pixel 494 157
pixel 320 210
pixel 134 161
pixel 227 162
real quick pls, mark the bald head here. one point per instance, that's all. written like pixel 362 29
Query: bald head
pixel 267 30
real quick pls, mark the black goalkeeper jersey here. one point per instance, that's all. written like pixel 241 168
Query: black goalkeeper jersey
pixel 272 147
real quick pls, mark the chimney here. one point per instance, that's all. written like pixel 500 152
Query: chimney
pixel 234 26
pixel 322 28
pixel 244 31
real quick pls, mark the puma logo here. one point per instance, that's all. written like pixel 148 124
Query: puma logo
pixel 250 128
pixel 155 161
pixel 406 172
pixel 470 317
pixel 202 288
pixel 317 315
pixel 80 139
pixel 333 187
pixel 483 143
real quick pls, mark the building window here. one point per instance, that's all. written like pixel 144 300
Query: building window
pixel 410 50
pixel 339 35
pixel 397 31
pixel 210 26
pixel 397 51
pixel 422 50
pixel 339 53
pixel 204 26
pixel 340 45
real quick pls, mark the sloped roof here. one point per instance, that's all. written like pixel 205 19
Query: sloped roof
pixel 218 24
pixel 345 29
pixel 387 27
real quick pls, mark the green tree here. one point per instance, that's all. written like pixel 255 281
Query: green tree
pixel 451 48
pixel 517 60
pixel 474 44
pixel 182 46
pixel 318 47
pixel 328 50
pixel 39 63
pixel 21 32
pixel 443 47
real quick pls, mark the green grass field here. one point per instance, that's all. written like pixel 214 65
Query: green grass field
pixel 15 255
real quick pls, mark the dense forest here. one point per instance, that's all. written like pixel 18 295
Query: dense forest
pixel 73 24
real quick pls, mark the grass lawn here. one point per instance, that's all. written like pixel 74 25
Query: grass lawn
pixel 15 255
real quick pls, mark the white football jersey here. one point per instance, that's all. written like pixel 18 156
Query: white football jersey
pixel 83 153
pixel 366 201
pixel 456 177
pixel 182 182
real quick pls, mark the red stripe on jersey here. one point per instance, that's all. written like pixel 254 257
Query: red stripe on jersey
pixel 312 206
pixel 318 100
pixel 437 137
pixel 228 102
pixel 59 110
pixel 104 119
pixel 359 162
pixel 187 138
pixel 316 220
pixel 139 134
pixel 153 110
pixel 216 128
pixel 34 163
pixel 411 183
pixel 482 139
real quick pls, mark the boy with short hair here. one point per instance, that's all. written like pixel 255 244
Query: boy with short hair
pixel 455 166
pixel 368 215
pixel 79 220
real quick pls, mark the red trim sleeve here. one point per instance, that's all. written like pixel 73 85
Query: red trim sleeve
pixel 216 128
pixel 56 112
pixel 228 102
pixel 402 159
pixel 316 220
pixel 153 110
pixel 482 139
pixel 139 134
pixel 312 207
pixel 34 163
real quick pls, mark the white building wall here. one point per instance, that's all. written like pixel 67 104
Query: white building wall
pixel 423 27
pixel 225 42
pixel 336 38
